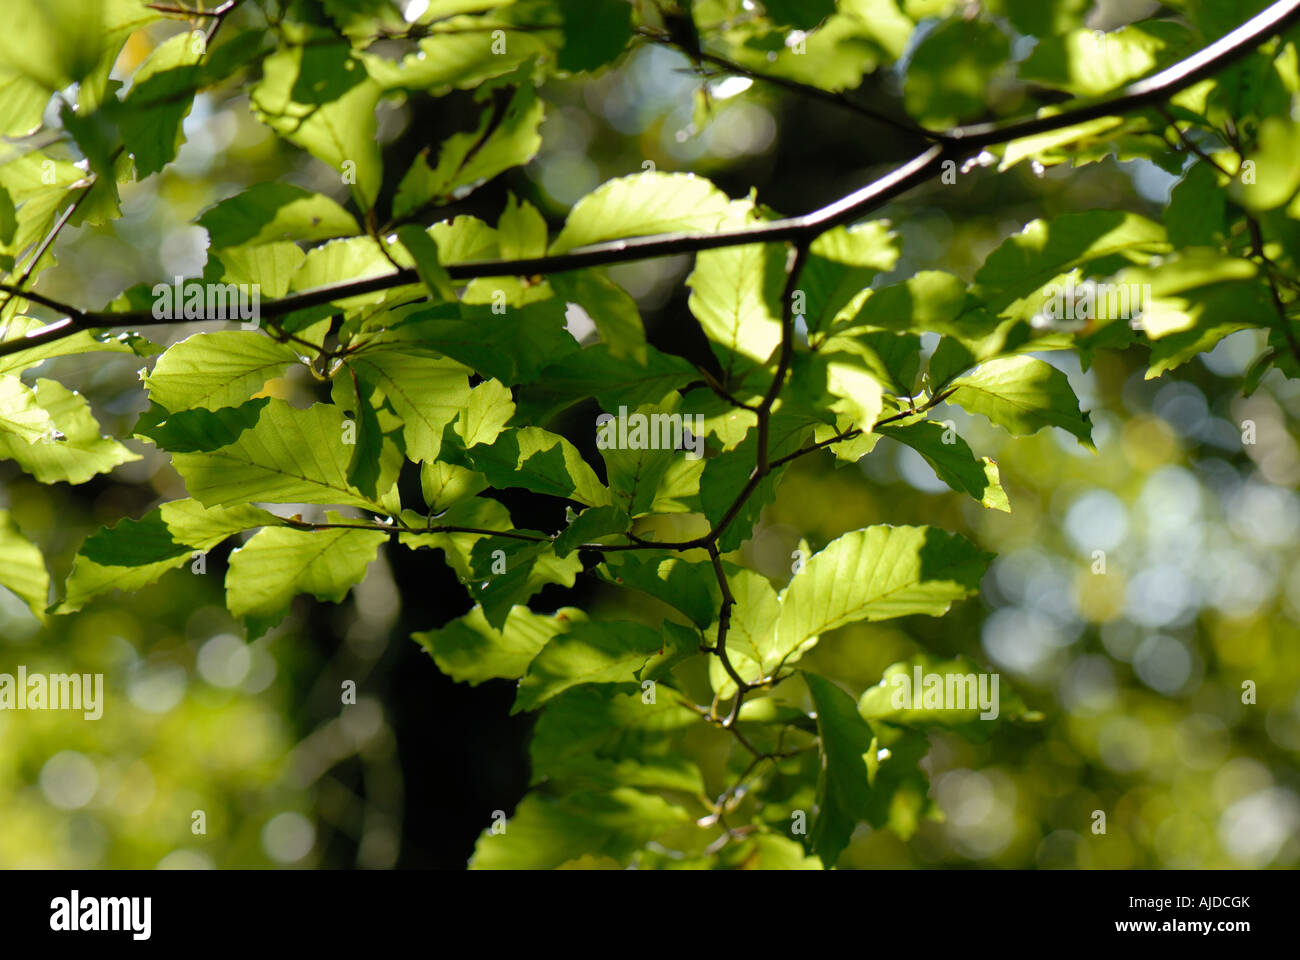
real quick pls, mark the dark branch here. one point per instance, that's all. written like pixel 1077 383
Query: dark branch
pixel 958 144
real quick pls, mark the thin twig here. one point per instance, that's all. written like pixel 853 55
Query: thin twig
pixel 50 236
pixel 794 86
pixel 858 431
pixel 1257 245
pixel 724 624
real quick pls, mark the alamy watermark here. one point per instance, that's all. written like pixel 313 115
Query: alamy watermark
pixel 207 301
pixel 946 691
pixel 1078 303
pixel 76 913
pixel 55 691
pixel 655 431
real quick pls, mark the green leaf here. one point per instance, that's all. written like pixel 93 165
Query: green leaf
pixel 278 563
pixel 424 250
pixel 266 212
pixel 54 42
pixel 506 571
pixel 1196 209
pixel 286 455
pixel 927 301
pixel 444 484
pixel 842 377
pixel 22 103
pixel 543 462
pixel 372 430
pixel 687 586
pixel 588 652
pixel 950 358
pixel 503 139
pixel 215 370
pixel 270 266
pixel 610 308
pixel 135 553
pixel 952 69
pixel 670 772
pixel 767 851
pixel 364 19
pixel 591 525
pixel 1090 63
pixel 22 567
pixel 643 203
pixel 79 453
pixel 595 32
pixel 1066 144
pixel 736 296
pixel 162 93
pixel 1214 313
pixel 588 722
pixel 1190 286
pixel 841 265
pixel 848 45
pixel 466 52
pixel 848 747
pixel 679 490
pixel 803 14
pixel 8 217
pixel 35 219
pixel 189 431
pixel 511 346
pixel 892 359
pixel 636 464
pixel 615 768
pixel 478 513
pixel 317 96
pixel 521 231
pixel 426 390
pixel 354 258
pixel 925 692
pixel 900 790
pixel 31 174
pixel 546 832
pixel 877 573
pixel 1044 250
pixel 21 418
pixel 486 413
pixel 1023 395
pixel 953 461
pixel 1045 18
pixel 96 137
pixel 725 422
pixel 470 650
pixel 1274 175
pixel 614 381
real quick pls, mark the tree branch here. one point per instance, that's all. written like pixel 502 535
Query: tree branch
pixel 957 144
pixel 784 360
pixel 724 625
